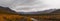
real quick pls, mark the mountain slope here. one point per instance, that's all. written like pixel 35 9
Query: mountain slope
pixel 6 10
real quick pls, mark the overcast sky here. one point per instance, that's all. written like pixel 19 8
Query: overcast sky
pixel 51 4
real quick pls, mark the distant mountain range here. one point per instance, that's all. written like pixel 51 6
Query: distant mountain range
pixel 39 12
pixel 6 10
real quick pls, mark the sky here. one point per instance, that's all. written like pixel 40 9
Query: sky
pixel 38 5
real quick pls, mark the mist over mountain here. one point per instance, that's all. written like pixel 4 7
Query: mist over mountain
pixel 6 10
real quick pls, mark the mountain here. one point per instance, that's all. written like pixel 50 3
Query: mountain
pixel 6 10
pixel 56 11
pixel 38 12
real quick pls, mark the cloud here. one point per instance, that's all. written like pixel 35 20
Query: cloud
pixel 46 4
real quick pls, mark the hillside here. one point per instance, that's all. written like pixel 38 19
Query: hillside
pixel 5 10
